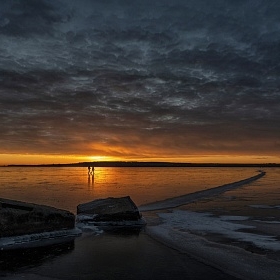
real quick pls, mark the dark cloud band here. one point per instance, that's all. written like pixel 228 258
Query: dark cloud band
pixel 105 76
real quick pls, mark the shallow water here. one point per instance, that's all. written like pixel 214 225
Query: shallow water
pixel 67 187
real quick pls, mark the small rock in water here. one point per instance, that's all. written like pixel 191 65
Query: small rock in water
pixel 111 209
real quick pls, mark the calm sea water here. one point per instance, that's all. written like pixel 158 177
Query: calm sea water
pixel 67 187
pixel 129 256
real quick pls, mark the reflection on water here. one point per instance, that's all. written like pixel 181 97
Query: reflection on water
pixel 67 187
pixel 90 180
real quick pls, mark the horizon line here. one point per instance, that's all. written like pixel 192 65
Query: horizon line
pixel 109 163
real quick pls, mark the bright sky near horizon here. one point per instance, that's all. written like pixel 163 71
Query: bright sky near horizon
pixel 192 81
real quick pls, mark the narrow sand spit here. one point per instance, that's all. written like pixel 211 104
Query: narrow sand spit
pixel 188 198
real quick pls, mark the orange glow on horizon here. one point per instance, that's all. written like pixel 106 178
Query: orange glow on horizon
pixel 7 159
pixel 101 158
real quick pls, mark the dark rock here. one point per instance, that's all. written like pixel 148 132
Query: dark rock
pixel 20 218
pixel 111 209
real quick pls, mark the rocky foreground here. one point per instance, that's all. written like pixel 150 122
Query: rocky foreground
pixel 20 218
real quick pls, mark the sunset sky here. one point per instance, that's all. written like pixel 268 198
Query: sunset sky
pixel 188 81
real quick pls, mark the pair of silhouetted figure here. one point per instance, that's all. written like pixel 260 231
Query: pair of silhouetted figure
pixel 90 170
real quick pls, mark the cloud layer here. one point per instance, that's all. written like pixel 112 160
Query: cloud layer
pixel 140 78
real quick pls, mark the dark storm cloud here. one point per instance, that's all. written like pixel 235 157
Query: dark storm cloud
pixel 182 76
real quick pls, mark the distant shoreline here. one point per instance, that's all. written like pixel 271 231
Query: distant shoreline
pixel 145 164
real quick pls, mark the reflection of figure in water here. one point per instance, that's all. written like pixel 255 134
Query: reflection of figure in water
pixel 90 181
pixel 90 178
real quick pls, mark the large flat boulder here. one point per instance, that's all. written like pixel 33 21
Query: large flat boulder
pixel 110 209
pixel 20 218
